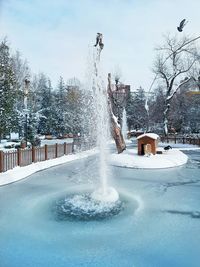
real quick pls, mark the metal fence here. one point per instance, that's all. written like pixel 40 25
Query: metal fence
pixel 27 156
pixel 180 140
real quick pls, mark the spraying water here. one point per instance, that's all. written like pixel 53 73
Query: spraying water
pixel 99 91
pixel 104 201
pixel 124 125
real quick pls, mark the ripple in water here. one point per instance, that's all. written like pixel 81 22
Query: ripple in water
pixel 84 208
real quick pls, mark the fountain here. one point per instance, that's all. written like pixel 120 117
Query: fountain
pixel 104 201
pixel 83 207
pixel 104 193
pixel 56 218
pixel 124 124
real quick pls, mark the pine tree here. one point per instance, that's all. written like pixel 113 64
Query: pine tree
pixel 73 114
pixel 60 108
pixel 47 120
pixel 136 112
pixel 21 72
pixel 130 111
pixel 7 92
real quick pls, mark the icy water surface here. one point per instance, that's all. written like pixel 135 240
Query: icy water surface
pixel 157 225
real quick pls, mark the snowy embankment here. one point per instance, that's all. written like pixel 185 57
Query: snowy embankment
pixel 130 159
pixel 19 173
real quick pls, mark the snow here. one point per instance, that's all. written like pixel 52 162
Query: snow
pixel 7 143
pixel 146 105
pixel 151 135
pixel 130 159
pixel 19 173
pixel 58 141
pixel 180 146
pixel 116 120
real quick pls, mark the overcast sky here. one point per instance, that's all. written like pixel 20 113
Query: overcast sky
pixel 54 35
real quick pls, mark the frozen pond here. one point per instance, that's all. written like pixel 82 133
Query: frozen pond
pixel 158 224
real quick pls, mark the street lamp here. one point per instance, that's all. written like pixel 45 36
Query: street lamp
pixel 26 90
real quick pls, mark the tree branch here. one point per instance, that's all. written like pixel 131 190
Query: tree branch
pixel 184 82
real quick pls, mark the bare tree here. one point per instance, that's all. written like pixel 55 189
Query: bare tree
pixel 174 61
pixel 115 127
pixel 73 82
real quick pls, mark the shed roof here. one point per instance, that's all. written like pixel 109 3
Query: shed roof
pixel 150 135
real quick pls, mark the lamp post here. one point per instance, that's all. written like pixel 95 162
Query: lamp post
pixel 26 128
pixel 26 90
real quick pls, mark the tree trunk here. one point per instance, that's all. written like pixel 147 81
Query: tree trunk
pixel 165 115
pixel 115 127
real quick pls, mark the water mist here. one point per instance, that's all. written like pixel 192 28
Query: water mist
pixel 100 106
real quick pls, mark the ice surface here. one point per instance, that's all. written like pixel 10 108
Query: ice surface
pixel 164 231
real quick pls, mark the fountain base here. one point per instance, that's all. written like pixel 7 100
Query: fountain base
pixel 88 207
pixel 108 194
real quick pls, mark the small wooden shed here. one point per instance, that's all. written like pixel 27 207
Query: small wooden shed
pixel 147 143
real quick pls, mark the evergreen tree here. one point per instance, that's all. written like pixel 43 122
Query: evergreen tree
pixel 136 112
pixel 130 111
pixel 156 109
pixel 21 72
pixel 60 108
pixel 73 108
pixel 184 115
pixel 47 120
pixel 7 92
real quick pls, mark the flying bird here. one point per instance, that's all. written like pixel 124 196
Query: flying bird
pixel 182 25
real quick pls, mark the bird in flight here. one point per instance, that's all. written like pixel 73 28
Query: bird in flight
pixel 182 25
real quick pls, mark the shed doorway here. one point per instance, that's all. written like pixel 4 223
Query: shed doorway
pixel 142 149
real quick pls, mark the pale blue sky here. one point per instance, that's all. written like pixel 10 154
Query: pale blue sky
pixel 54 35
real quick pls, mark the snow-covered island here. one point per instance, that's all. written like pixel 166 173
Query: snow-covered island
pixel 131 159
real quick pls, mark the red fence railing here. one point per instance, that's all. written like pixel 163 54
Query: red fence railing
pixel 8 160
pixel 24 157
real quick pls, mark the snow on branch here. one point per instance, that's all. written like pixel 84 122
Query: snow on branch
pixel 181 84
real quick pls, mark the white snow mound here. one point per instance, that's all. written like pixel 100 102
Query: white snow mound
pixel 130 159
